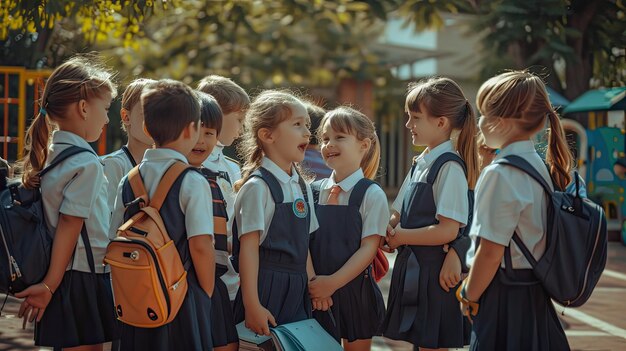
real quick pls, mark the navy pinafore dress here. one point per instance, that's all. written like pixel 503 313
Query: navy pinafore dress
pixel 419 310
pixel 191 328
pixel 283 280
pixel 223 329
pixel 358 307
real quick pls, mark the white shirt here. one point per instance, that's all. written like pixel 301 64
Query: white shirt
pixel 449 189
pixel 116 166
pixel 195 198
pixel 507 201
pixel 254 206
pixel 217 162
pixel 374 209
pixel 77 187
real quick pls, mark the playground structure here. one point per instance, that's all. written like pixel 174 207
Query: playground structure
pixel 595 126
pixel 20 91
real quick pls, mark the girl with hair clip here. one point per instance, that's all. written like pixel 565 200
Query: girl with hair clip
pixel 515 312
pixel 353 214
pixel 429 216
pixel 73 305
pixel 274 216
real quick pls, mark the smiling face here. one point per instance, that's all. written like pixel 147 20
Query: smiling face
pixel 204 146
pixel 343 152
pixel 288 141
pixel 425 130
pixel 97 109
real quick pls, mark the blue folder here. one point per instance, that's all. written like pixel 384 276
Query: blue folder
pixel 306 335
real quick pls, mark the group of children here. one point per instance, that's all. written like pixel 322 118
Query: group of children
pixel 266 246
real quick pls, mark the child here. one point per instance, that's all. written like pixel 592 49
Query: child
pixel 233 101
pixel 223 331
pixel 273 216
pixel 73 305
pixel 353 215
pixel 172 115
pixel 117 164
pixel 429 212
pixel 313 160
pixel 515 312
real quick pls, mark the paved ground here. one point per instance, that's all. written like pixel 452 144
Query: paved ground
pixel 599 325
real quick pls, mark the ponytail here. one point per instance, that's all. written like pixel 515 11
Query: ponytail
pixel 558 156
pixel 251 165
pixel 467 146
pixel 36 146
pixel 371 159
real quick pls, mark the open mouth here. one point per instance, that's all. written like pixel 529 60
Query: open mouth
pixel 332 155
pixel 198 151
pixel 302 147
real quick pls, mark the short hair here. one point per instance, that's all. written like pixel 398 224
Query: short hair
pixel 316 114
pixel 168 108
pixel 228 94
pixel 210 112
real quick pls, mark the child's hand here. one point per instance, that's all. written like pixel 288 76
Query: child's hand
pixel 394 239
pixel 322 304
pixel 450 274
pixel 257 319
pixel 383 242
pixel 322 286
pixel 37 297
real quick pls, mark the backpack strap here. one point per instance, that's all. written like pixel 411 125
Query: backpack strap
pixel 136 184
pixel 129 155
pixel 359 190
pixel 64 155
pixel 524 166
pixel 272 183
pixel 166 182
pixel 435 167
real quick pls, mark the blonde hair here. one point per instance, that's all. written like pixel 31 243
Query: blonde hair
pixel 522 96
pixel 79 78
pixel 347 120
pixel 443 97
pixel 132 94
pixel 267 110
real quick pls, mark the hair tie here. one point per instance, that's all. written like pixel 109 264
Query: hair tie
pixel 43 111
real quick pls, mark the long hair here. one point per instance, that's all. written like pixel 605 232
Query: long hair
pixel 522 96
pixel 443 97
pixel 79 78
pixel 267 110
pixel 347 120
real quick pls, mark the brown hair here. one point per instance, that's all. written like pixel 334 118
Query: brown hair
pixel 316 114
pixel 210 112
pixel 443 97
pixel 169 107
pixel 79 78
pixel 347 120
pixel 228 94
pixel 132 94
pixel 522 96
pixel 267 110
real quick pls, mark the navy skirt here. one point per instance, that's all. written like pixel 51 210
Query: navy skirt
pixel 357 312
pixel 81 312
pixel 223 328
pixel 419 311
pixel 517 315
pixel 285 294
pixel 190 329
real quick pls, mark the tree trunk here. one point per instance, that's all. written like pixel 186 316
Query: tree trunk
pixel 578 72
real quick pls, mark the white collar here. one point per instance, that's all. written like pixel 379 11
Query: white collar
pixel 348 183
pixel 279 173
pixel 163 154
pixel 427 157
pixel 517 148
pixel 65 137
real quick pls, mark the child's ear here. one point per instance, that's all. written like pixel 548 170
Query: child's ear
pixel 265 135
pixel 366 144
pixel 443 122
pixel 125 117
pixel 82 108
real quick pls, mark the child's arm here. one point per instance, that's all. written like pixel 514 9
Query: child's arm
pixel 257 316
pixel 395 218
pixel 432 235
pixel 325 286
pixel 38 296
pixel 486 264
pixel 203 257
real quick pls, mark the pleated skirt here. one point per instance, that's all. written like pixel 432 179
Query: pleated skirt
pixel 223 330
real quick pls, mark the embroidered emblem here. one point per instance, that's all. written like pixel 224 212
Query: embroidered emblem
pixel 300 208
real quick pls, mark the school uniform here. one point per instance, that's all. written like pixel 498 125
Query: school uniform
pixel 229 173
pixel 419 310
pixel 361 211
pixel 184 214
pixel 116 165
pixel 81 311
pixel 279 206
pixel 515 312
pixel 223 332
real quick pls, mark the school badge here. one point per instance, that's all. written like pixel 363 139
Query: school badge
pixel 300 208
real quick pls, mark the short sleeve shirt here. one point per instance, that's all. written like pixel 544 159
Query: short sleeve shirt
pixel 116 166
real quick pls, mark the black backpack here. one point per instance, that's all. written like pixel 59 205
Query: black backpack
pixel 576 242
pixel 26 240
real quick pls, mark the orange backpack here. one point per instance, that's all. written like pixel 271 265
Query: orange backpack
pixel 149 279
